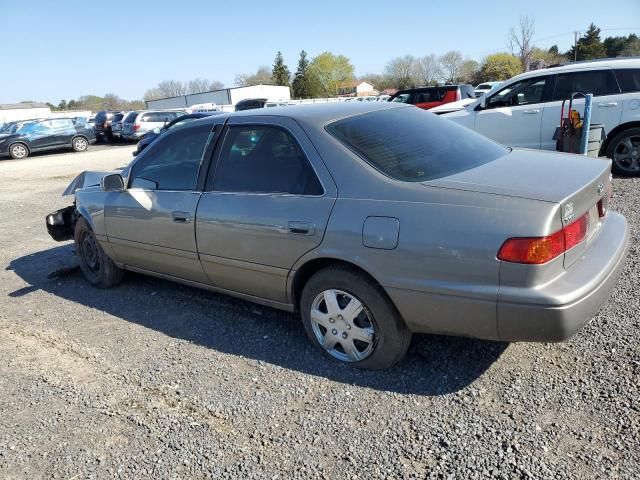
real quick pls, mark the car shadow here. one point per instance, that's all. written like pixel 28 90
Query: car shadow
pixel 435 365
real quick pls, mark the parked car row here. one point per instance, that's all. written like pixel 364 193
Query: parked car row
pixel 131 125
pixel 19 139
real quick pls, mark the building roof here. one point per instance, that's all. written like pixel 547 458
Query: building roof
pixel 23 105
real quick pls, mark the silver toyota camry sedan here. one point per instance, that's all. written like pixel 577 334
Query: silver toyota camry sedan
pixel 373 221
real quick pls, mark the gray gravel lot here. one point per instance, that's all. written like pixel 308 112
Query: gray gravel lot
pixel 157 380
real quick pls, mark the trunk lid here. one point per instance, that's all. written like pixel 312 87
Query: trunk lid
pixel 576 182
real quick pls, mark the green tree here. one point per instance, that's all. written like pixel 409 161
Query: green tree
pixel 280 71
pixel 589 45
pixel 301 84
pixel 329 70
pixel 499 66
pixel 62 105
pixel 631 47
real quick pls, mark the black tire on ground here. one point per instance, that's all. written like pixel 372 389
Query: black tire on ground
pixel 97 267
pixel 391 339
pixel 618 148
pixel 79 144
pixel 18 151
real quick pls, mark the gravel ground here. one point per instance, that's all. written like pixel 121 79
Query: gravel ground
pixel 157 380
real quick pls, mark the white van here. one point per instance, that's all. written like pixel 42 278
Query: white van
pixel 525 110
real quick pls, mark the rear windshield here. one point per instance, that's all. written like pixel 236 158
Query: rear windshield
pixel 117 117
pixel 413 145
pixel 130 117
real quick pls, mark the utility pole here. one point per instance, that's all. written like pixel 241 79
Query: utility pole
pixel 575 45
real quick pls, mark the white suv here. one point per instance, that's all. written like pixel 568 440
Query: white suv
pixel 525 110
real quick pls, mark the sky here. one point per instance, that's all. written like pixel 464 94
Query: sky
pixel 65 49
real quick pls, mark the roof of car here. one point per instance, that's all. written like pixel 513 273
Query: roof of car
pixel 633 62
pixel 314 113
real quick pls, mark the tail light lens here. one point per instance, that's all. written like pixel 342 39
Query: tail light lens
pixel 538 250
pixel 136 127
pixel 603 203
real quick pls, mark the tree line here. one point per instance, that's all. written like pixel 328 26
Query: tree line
pixel 321 75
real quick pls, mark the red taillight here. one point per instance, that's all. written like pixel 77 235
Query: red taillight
pixel 136 127
pixel 538 250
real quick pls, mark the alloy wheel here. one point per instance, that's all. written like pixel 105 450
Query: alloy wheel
pixel 626 154
pixel 19 151
pixel 80 144
pixel 343 325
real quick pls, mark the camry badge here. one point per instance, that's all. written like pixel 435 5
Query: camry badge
pixel 568 212
pixel 600 188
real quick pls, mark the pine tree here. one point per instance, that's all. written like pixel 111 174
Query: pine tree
pixel 280 72
pixel 301 82
pixel 589 45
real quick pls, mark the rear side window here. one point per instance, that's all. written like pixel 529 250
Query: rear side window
pixel 158 117
pixel 598 82
pixel 431 95
pixel 173 162
pixel 629 80
pixel 412 145
pixel 402 98
pixel 264 159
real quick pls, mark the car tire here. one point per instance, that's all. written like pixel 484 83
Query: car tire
pixel 18 151
pixel 79 144
pixel 624 152
pixel 97 267
pixel 369 334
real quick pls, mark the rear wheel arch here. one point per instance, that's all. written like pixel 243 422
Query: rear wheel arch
pixel 612 134
pixel 304 273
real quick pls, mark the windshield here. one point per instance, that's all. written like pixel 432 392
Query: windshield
pixel 402 98
pixel 13 127
pixel 413 145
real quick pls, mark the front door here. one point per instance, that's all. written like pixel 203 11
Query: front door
pixel 606 107
pixel 266 206
pixel 151 225
pixel 513 115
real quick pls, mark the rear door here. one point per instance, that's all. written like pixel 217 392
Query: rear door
pixel 629 81
pixel 151 225
pixel 266 204
pixel 606 106
pixel 513 115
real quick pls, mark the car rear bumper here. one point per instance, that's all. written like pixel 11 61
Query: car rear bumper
pixel 550 313
pixel 559 309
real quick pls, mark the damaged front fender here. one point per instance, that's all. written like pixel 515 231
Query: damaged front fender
pixel 85 179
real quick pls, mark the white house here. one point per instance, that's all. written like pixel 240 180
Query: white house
pixel 356 88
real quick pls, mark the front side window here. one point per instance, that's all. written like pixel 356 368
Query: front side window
pixel 173 162
pixel 412 145
pixel 524 92
pixel 598 82
pixel 264 159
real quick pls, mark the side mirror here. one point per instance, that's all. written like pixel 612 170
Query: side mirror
pixel 483 102
pixel 112 183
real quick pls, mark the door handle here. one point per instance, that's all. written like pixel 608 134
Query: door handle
pixel 531 112
pixel 608 104
pixel 301 228
pixel 181 217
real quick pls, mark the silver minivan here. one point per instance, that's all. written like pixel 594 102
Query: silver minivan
pixel 147 121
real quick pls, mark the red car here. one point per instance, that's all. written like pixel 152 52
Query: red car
pixel 429 97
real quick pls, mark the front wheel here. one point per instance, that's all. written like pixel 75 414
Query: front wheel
pixel 97 267
pixel 18 151
pixel 350 319
pixel 79 144
pixel 624 151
